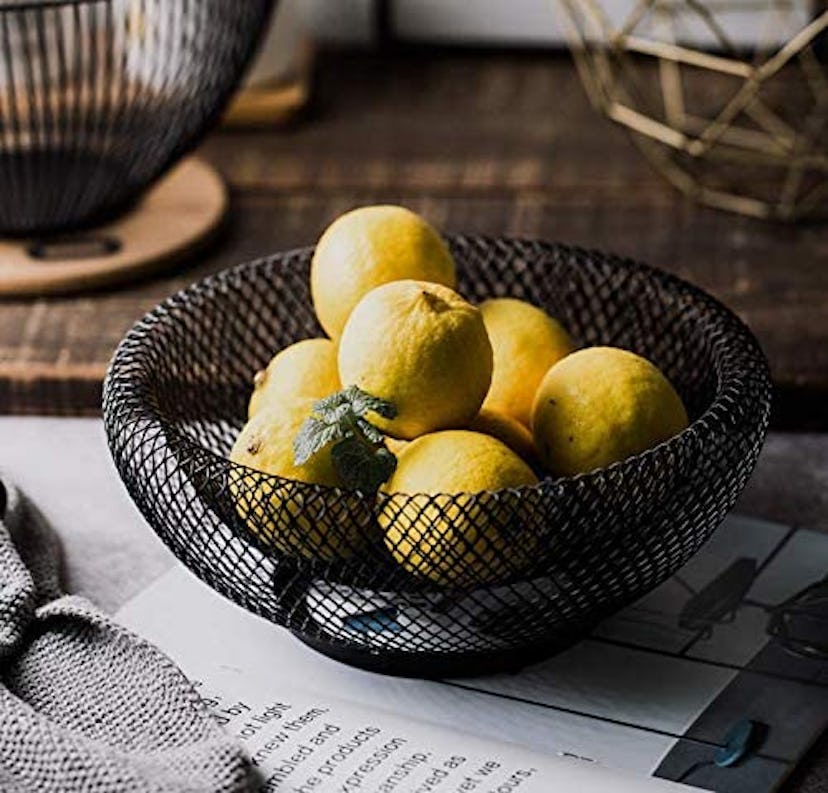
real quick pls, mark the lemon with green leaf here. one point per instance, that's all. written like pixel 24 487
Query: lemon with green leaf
pixel 341 426
pixel 284 512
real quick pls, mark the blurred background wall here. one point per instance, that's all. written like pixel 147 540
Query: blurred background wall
pixel 446 21
pixel 517 22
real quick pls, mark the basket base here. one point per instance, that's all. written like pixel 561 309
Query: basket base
pixel 431 667
pixel 176 216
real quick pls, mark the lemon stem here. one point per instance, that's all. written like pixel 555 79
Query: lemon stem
pixel 435 303
pixel 359 434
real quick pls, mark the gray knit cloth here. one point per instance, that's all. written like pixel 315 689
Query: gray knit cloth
pixel 84 704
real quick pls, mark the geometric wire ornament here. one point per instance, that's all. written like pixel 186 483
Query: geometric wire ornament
pixel 523 572
pixel 728 100
pixel 98 98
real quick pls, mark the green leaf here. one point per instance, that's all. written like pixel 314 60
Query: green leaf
pixel 329 403
pixel 357 446
pixel 361 467
pixel 363 403
pixel 355 401
pixel 370 432
pixel 314 435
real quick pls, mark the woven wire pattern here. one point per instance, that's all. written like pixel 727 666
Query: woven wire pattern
pixel 728 100
pixel 99 97
pixel 313 559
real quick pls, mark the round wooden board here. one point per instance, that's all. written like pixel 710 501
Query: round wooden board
pixel 180 212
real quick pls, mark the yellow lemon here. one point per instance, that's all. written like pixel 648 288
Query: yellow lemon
pixel 395 445
pixel 421 347
pixel 507 430
pixel 601 405
pixel 368 247
pixel 285 514
pixel 526 342
pixel 304 369
pixel 444 533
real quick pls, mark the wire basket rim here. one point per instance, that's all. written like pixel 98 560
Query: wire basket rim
pixel 752 356
pixel 309 557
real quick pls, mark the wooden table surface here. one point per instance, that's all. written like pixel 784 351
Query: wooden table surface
pixel 489 143
pixel 493 143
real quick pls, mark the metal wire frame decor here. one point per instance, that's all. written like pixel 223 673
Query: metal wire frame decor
pixel 736 123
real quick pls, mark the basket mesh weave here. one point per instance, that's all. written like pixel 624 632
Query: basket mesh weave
pixel 313 559
pixel 99 97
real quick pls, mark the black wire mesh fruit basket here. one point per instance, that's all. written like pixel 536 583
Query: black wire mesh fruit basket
pixel 99 97
pixel 540 566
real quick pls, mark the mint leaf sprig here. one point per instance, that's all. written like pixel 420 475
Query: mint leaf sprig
pixel 358 448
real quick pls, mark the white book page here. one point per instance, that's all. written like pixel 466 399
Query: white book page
pixel 296 712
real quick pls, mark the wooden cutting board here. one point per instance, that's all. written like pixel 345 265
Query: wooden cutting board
pixel 176 216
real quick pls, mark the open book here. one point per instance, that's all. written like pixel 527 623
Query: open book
pixel 688 684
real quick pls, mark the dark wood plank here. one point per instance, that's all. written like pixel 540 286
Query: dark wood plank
pixel 54 352
pixel 445 122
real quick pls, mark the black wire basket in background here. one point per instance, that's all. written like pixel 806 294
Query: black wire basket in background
pixel 98 98
pixel 176 396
